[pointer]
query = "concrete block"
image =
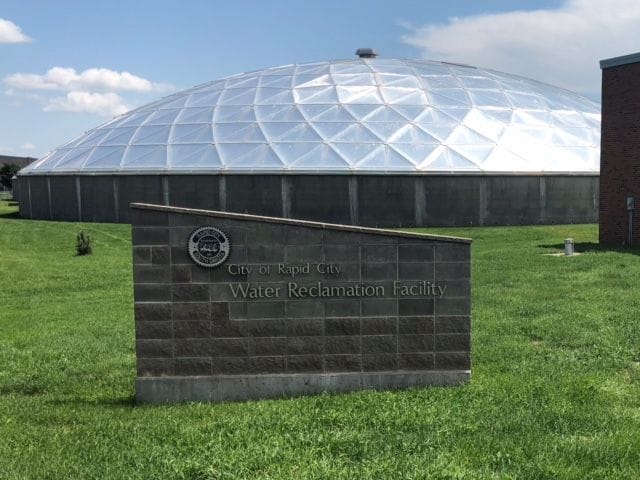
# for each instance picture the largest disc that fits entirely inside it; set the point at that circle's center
(415, 253)
(413, 307)
(342, 344)
(379, 307)
(380, 362)
(447, 342)
(415, 343)
(305, 345)
(444, 324)
(193, 311)
(192, 329)
(342, 326)
(304, 363)
(453, 361)
(152, 311)
(379, 344)
(154, 348)
(153, 330)
(379, 326)
(190, 292)
(342, 363)
(149, 292)
(193, 366)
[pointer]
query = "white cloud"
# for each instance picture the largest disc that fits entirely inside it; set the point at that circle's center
(106, 104)
(102, 79)
(28, 146)
(561, 46)
(11, 33)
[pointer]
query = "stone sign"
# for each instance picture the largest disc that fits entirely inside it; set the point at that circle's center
(231, 307)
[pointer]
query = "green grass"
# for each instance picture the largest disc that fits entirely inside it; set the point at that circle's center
(555, 390)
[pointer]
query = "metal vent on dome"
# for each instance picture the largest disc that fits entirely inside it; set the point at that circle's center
(366, 53)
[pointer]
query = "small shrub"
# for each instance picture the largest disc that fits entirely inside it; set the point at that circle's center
(84, 244)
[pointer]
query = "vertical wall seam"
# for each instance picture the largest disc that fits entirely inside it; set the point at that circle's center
(542, 200)
(49, 196)
(29, 191)
(165, 190)
(420, 202)
(483, 201)
(79, 198)
(286, 196)
(353, 199)
(116, 203)
(222, 192)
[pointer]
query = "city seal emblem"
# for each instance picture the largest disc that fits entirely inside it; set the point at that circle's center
(208, 246)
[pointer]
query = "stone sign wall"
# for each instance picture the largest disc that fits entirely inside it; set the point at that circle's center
(232, 307)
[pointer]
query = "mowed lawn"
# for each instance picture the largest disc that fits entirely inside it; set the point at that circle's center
(555, 390)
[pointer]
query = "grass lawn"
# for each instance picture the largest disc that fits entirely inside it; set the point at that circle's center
(555, 390)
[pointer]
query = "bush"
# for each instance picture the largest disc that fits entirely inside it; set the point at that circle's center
(83, 244)
(7, 171)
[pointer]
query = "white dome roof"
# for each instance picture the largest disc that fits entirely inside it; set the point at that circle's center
(354, 116)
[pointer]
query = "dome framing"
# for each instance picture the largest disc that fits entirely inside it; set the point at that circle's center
(369, 116)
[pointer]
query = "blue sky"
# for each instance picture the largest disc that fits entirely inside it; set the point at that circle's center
(67, 66)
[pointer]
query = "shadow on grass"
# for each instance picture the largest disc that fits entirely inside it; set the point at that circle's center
(124, 401)
(11, 215)
(594, 247)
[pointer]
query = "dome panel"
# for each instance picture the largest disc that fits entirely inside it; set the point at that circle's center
(145, 157)
(105, 159)
(194, 157)
(118, 136)
(192, 134)
(363, 115)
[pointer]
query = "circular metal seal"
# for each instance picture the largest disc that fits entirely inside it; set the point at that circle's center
(208, 246)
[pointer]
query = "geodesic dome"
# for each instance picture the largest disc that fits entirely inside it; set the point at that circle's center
(355, 116)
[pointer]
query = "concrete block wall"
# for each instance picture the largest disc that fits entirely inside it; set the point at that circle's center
(198, 340)
(366, 200)
(620, 152)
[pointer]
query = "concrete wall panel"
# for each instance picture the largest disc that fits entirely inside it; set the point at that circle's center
(23, 196)
(98, 200)
(451, 201)
(258, 195)
(368, 200)
(64, 198)
(320, 198)
(571, 200)
(511, 201)
(39, 198)
(194, 191)
(137, 188)
(386, 200)
(15, 189)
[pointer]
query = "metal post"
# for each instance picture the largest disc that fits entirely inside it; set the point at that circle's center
(568, 247)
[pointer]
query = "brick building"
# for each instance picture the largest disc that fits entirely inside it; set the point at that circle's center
(620, 150)
(20, 161)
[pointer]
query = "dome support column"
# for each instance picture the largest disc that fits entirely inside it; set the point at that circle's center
(483, 203)
(165, 190)
(420, 202)
(222, 193)
(286, 197)
(78, 199)
(49, 195)
(353, 199)
(116, 205)
(543, 200)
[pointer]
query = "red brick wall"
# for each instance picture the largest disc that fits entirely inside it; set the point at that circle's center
(620, 152)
